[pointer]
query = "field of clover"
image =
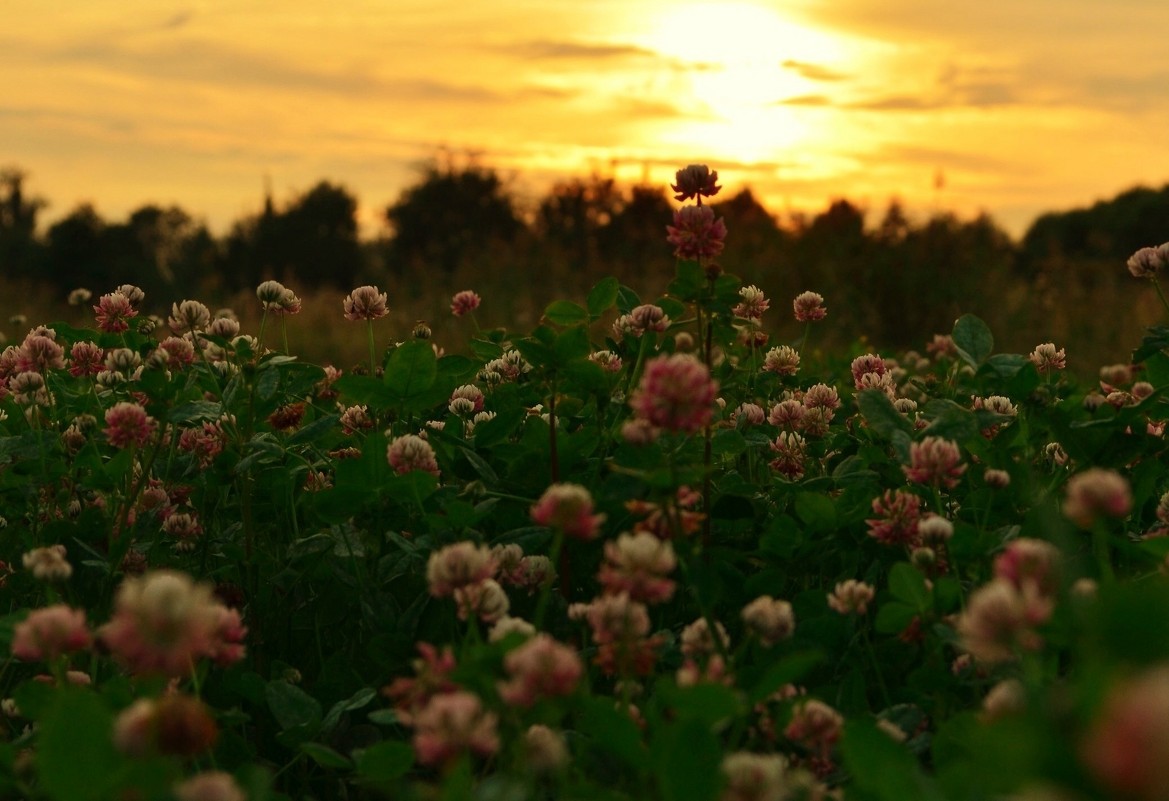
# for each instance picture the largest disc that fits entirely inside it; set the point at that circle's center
(651, 549)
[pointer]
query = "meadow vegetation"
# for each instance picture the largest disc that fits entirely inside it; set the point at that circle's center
(683, 537)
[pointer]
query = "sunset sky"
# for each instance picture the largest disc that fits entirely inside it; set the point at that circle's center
(1020, 105)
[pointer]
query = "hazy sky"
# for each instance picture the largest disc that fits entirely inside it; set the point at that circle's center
(1020, 105)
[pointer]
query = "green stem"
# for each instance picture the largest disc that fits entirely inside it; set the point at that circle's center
(546, 591)
(1160, 294)
(876, 665)
(372, 349)
(1102, 551)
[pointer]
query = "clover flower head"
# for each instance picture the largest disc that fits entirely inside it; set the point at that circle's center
(695, 181)
(809, 307)
(676, 393)
(1047, 359)
(411, 452)
(851, 597)
(753, 303)
(50, 632)
(128, 424)
(568, 507)
(1148, 262)
(1096, 493)
(365, 303)
(782, 360)
(113, 311)
(540, 668)
(696, 234)
(464, 302)
(771, 620)
(188, 316)
(935, 461)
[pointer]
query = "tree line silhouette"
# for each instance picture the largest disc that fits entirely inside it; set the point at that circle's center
(898, 280)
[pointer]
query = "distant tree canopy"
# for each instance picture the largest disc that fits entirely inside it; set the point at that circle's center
(1109, 230)
(450, 218)
(313, 241)
(895, 279)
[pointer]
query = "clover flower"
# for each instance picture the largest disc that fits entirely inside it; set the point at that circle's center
(851, 597)
(210, 785)
(452, 724)
(676, 393)
(620, 630)
(174, 724)
(163, 622)
(189, 316)
(50, 632)
(1096, 493)
(431, 677)
(1125, 747)
(464, 302)
(751, 414)
(485, 599)
(113, 311)
(609, 361)
(1000, 618)
(458, 565)
(365, 303)
(1027, 560)
(815, 725)
(638, 564)
(540, 668)
(411, 452)
(568, 507)
(640, 319)
(696, 234)
(897, 518)
(40, 354)
(809, 307)
(753, 777)
(753, 303)
(183, 527)
(544, 748)
(698, 640)
(1047, 359)
(782, 360)
(48, 563)
(1147, 262)
(934, 461)
(128, 424)
(769, 619)
(695, 181)
(790, 451)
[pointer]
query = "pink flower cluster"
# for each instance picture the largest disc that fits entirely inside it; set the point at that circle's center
(897, 514)
(935, 461)
(411, 452)
(540, 668)
(464, 302)
(1094, 494)
(365, 303)
(676, 393)
(164, 622)
(569, 508)
(637, 564)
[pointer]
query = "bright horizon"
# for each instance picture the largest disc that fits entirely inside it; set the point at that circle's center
(1018, 108)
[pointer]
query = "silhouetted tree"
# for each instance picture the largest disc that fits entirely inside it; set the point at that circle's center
(77, 252)
(312, 242)
(634, 241)
(18, 223)
(573, 214)
(451, 217)
(163, 250)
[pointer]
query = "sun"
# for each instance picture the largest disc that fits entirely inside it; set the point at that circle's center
(738, 61)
